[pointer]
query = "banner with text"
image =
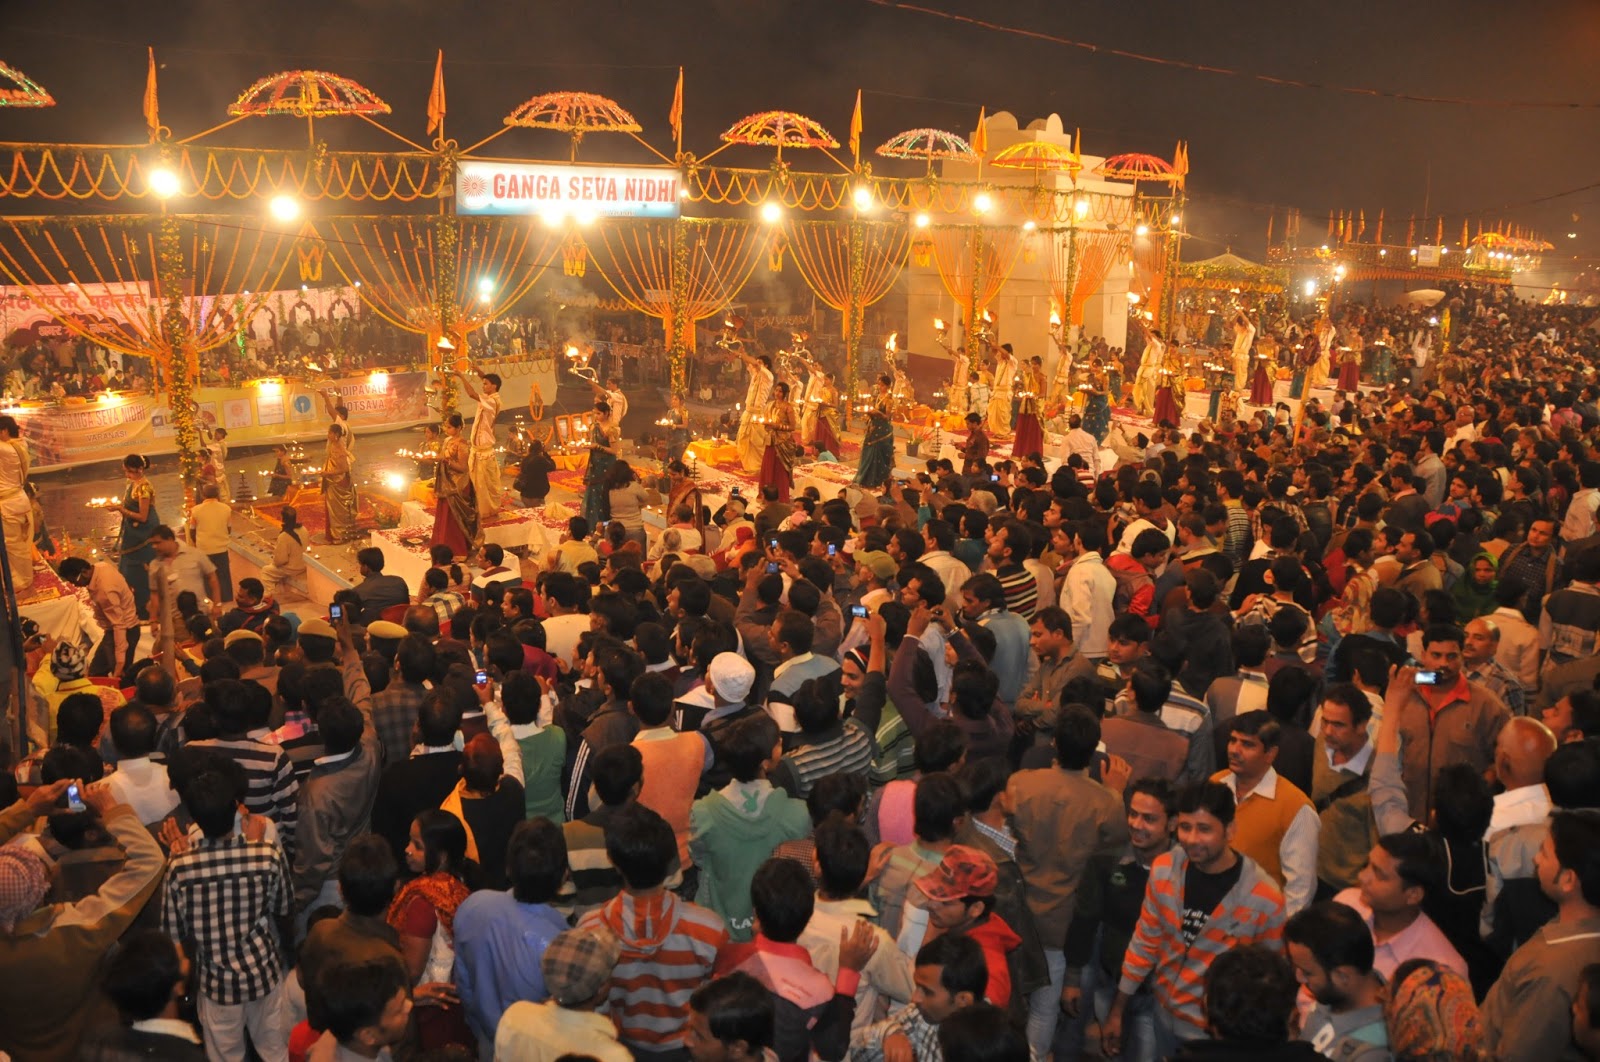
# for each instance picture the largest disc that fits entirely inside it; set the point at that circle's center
(81, 431)
(579, 192)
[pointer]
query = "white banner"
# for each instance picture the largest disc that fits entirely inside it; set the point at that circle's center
(580, 192)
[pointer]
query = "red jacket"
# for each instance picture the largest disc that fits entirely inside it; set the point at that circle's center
(1136, 591)
(997, 941)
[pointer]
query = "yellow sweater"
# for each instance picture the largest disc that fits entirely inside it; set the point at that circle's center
(1260, 823)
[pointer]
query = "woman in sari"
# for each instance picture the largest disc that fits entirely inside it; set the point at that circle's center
(1261, 382)
(1097, 407)
(777, 463)
(340, 505)
(602, 455)
(423, 914)
(826, 401)
(455, 520)
(678, 434)
(139, 519)
(1350, 369)
(877, 445)
(1030, 433)
(1005, 373)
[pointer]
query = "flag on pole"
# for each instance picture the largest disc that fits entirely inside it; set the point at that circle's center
(436, 97)
(980, 136)
(1379, 237)
(675, 118)
(855, 129)
(152, 110)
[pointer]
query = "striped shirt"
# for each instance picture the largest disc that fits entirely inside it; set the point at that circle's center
(1021, 590)
(272, 787)
(224, 895)
(669, 949)
(1251, 912)
(846, 747)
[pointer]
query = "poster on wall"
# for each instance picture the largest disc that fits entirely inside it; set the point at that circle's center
(269, 409)
(83, 431)
(236, 413)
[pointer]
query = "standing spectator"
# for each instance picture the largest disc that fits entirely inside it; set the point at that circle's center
(228, 899)
(336, 801)
(114, 610)
(732, 1019)
(612, 724)
(395, 708)
(1527, 1013)
(1275, 823)
(951, 976)
(1204, 898)
(1569, 625)
(541, 750)
(1331, 950)
(209, 531)
(669, 946)
(500, 937)
(733, 830)
(49, 953)
(1250, 996)
(1088, 590)
(272, 790)
(146, 977)
(1105, 912)
(1062, 819)
(1480, 664)
(139, 781)
(427, 776)
(1451, 721)
(618, 781)
(983, 603)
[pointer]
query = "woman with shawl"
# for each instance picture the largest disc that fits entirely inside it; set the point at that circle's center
(423, 913)
(455, 520)
(1474, 592)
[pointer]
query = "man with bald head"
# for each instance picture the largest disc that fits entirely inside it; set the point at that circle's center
(1478, 663)
(1520, 822)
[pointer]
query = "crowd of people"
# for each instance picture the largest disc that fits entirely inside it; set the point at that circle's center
(1273, 741)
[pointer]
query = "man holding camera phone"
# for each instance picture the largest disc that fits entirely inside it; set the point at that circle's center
(1444, 719)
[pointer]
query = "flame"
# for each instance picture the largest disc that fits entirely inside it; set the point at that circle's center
(892, 345)
(1055, 317)
(572, 351)
(988, 318)
(938, 324)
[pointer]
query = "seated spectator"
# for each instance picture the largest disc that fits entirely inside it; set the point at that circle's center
(577, 970)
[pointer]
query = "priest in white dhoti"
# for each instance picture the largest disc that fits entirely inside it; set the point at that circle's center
(483, 458)
(752, 438)
(1244, 337)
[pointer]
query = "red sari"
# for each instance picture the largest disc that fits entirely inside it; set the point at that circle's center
(424, 907)
(1349, 374)
(1261, 385)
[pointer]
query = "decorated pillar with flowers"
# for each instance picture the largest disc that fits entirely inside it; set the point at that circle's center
(176, 350)
(855, 311)
(679, 322)
(446, 311)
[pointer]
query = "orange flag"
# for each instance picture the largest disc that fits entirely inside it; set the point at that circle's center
(855, 129)
(152, 112)
(1379, 237)
(436, 97)
(980, 136)
(675, 116)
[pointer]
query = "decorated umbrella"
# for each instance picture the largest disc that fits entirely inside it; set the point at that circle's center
(574, 113)
(308, 94)
(19, 90)
(1039, 156)
(779, 129)
(928, 144)
(1136, 167)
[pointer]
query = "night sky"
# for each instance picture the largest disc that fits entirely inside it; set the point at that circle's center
(1252, 145)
